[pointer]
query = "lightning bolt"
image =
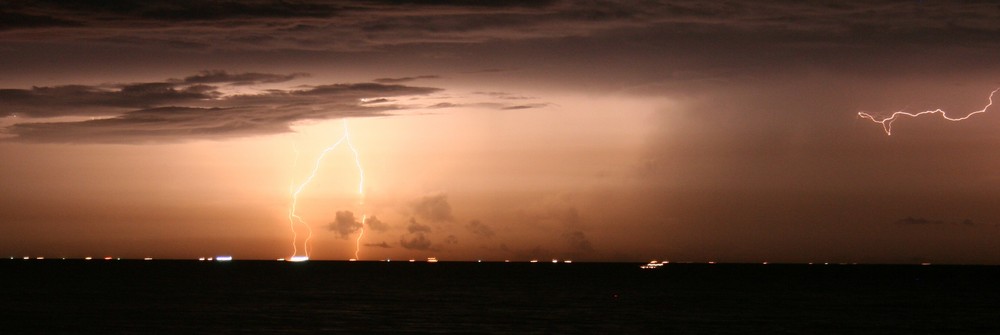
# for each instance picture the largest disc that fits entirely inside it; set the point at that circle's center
(887, 122)
(357, 242)
(293, 217)
(361, 190)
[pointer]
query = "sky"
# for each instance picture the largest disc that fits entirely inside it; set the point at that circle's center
(500, 130)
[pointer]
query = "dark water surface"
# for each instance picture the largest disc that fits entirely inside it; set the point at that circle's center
(182, 297)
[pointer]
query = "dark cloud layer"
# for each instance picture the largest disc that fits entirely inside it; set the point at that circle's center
(922, 222)
(176, 110)
(251, 78)
(96, 100)
(357, 25)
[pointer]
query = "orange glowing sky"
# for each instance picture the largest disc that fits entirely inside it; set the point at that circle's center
(589, 131)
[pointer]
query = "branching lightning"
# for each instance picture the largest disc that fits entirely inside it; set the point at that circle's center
(887, 122)
(293, 216)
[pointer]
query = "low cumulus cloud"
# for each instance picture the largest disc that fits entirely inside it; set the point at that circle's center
(418, 241)
(383, 245)
(416, 238)
(433, 208)
(185, 109)
(377, 225)
(560, 214)
(557, 213)
(479, 229)
(578, 242)
(345, 224)
(416, 227)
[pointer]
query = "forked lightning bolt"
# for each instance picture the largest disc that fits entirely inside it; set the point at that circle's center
(293, 217)
(887, 122)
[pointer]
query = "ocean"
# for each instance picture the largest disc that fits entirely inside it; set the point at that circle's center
(184, 297)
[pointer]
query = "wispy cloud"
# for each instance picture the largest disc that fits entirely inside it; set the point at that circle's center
(404, 79)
